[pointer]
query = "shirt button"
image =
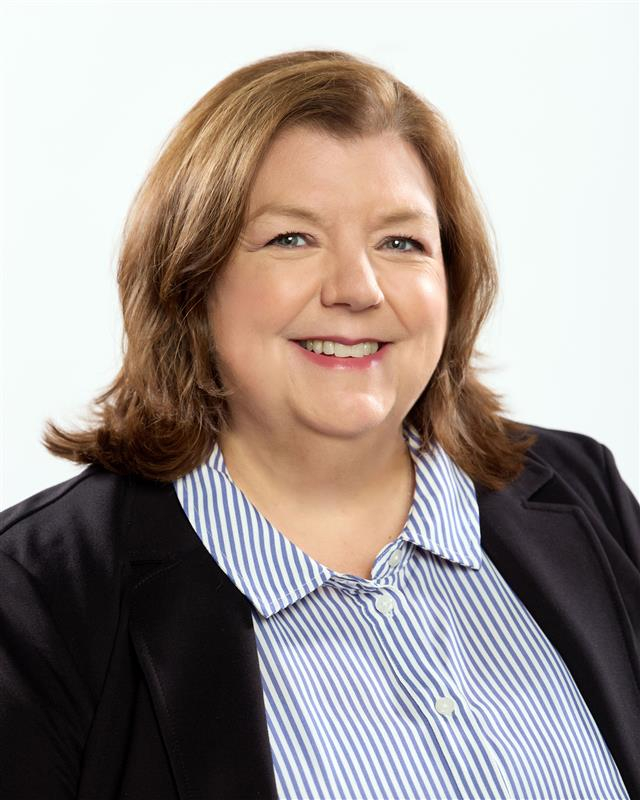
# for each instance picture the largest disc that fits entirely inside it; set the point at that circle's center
(395, 558)
(445, 706)
(385, 605)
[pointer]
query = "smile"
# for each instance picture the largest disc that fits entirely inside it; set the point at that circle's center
(339, 349)
(354, 358)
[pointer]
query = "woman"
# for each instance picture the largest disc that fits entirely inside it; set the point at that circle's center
(310, 556)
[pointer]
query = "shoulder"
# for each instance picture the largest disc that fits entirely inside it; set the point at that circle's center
(61, 556)
(578, 458)
(581, 462)
(568, 451)
(588, 475)
(80, 508)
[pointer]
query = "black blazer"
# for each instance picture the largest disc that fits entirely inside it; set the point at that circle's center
(128, 663)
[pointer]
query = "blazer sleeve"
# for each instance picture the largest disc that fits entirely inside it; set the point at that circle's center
(625, 509)
(45, 706)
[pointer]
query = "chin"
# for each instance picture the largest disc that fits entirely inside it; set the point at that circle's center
(347, 424)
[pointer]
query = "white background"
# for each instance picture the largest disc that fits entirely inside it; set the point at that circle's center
(543, 98)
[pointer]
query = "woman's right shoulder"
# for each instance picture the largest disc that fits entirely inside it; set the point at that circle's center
(60, 495)
(89, 501)
(67, 540)
(63, 567)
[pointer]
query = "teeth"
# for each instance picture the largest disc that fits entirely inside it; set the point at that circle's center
(328, 348)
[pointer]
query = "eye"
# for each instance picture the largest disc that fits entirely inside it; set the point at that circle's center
(395, 239)
(288, 235)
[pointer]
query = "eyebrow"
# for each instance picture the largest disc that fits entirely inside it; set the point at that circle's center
(405, 214)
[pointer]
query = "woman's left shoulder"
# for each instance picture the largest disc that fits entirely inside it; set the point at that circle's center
(576, 456)
(589, 468)
(570, 450)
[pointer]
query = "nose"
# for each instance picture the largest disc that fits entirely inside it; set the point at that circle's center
(350, 279)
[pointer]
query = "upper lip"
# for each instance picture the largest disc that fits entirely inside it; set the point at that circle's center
(341, 339)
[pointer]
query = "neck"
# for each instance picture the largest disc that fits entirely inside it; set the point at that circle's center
(311, 470)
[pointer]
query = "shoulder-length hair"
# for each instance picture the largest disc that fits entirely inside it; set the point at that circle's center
(161, 415)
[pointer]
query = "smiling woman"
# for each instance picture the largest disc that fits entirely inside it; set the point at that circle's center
(231, 183)
(339, 288)
(310, 555)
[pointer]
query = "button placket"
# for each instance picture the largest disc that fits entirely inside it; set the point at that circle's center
(385, 604)
(425, 697)
(508, 792)
(395, 557)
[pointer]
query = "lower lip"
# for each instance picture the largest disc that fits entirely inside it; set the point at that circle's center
(333, 362)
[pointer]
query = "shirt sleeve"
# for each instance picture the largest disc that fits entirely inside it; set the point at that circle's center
(45, 705)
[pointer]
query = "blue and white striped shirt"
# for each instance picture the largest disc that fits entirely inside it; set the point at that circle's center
(430, 680)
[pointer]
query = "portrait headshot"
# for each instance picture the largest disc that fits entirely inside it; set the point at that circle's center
(321, 404)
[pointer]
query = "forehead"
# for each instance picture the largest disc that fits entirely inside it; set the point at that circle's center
(310, 168)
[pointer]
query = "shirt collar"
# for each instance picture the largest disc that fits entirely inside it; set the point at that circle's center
(273, 572)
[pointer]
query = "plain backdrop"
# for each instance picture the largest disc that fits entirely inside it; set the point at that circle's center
(542, 97)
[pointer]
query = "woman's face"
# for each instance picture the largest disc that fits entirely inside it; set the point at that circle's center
(342, 272)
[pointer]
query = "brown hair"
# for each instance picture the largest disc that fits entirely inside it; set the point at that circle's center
(161, 415)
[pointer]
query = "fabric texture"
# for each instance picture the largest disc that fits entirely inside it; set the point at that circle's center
(130, 664)
(429, 680)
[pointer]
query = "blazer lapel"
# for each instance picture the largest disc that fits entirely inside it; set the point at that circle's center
(193, 633)
(562, 563)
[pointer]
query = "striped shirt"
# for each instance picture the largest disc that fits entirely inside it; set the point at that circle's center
(430, 680)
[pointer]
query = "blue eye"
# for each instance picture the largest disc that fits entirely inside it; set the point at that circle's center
(293, 234)
(287, 235)
(403, 239)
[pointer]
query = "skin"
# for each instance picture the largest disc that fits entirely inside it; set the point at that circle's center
(320, 451)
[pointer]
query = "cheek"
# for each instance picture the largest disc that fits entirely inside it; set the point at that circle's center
(235, 310)
(251, 311)
(437, 306)
(258, 300)
(426, 306)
